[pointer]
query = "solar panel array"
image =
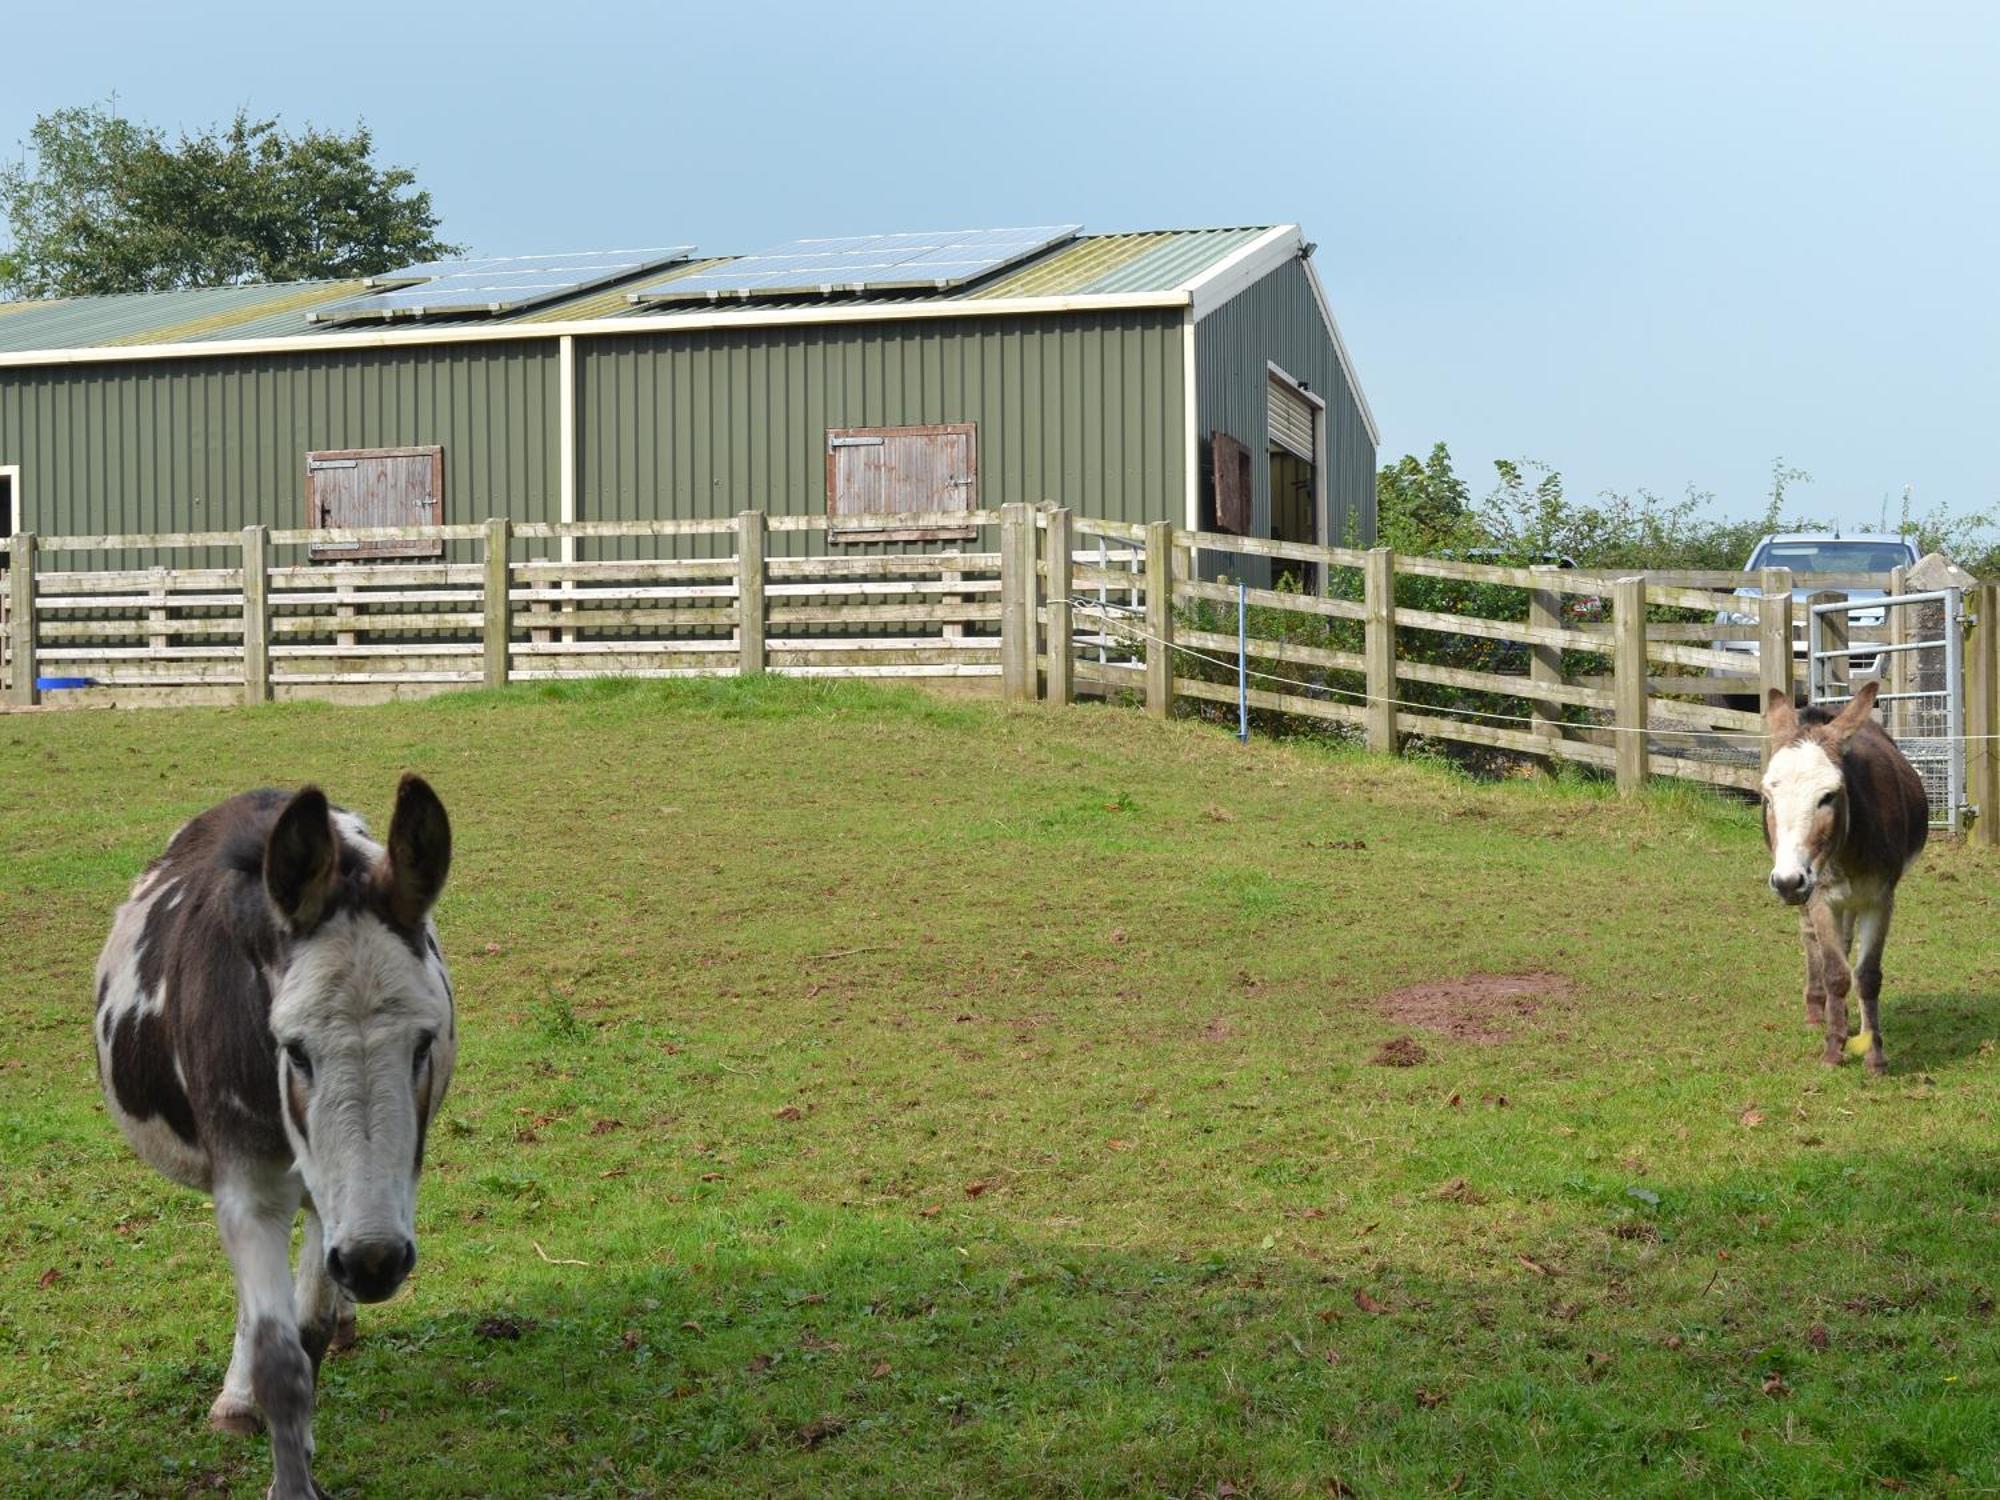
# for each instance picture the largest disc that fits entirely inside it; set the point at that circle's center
(933, 261)
(493, 284)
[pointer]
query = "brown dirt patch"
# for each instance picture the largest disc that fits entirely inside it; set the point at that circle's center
(1474, 1007)
(1399, 1052)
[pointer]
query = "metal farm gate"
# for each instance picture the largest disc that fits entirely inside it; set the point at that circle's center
(1920, 663)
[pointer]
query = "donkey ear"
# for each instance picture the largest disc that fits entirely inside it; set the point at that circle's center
(1852, 717)
(1779, 715)
(419, 855)
(301, 859)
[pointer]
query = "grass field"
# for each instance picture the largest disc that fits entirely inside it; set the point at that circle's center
(946, 1100)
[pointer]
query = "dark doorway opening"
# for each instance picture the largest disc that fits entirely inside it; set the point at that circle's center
(1294, 513)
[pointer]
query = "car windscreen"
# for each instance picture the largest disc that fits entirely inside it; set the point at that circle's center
(1832, 557)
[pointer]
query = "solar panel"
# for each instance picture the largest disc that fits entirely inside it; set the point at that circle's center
(492, 284)
(924, 261)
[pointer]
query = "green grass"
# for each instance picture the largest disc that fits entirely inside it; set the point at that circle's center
(949, 1100)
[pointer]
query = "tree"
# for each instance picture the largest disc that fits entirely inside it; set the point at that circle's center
(1421, 505)
(102, 204)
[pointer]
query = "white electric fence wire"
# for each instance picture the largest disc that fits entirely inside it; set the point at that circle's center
(1137, 634)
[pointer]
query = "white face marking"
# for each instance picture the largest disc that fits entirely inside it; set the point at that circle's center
(1796, 783)
(358, 1004)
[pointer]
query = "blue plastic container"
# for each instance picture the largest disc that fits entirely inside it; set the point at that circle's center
(52, 684)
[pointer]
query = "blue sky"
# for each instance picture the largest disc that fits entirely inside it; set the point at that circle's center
(1650, 245)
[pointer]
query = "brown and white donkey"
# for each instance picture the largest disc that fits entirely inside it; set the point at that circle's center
(1844, 814)
(275, 1028)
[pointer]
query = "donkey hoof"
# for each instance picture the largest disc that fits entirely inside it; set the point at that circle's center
(233, 1414)
(1834, 1055)
(1876, 1064)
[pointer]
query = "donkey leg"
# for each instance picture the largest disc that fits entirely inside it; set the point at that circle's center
(1815, 971)
(235, 1409)
(316, 1298)
(255, 1213)
(1834, 973)
(1872, 935)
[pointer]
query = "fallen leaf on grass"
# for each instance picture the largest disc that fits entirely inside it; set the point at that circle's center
(48, 1278)
(1458, 1190)
(1774, 1385)
(711, 1177)
(1219, 815)
(1534, 1265)
(932, 1212)
(1368, 1304)
(974, 1189)
(1750, 1119)
(1817, 1336)
(1427, 1398)
(629, 1339)
(605, 1127)
(758, 1364)
(1114, 1144)
(789, 1112)
(881, 1370)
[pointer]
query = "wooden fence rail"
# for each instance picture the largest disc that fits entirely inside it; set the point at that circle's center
(1596, 669)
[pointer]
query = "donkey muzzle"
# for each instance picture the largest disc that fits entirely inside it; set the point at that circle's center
(1793, 887)
(370, 1270)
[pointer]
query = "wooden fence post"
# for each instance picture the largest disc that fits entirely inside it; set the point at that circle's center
(1378, 579)
(1982, 691)
(21, 612)
(499, 617)
(1017, 661)
(1834, 672)
(1545, 663)
(751, 528)
(1628, 633)
(1160, 618)
(1774, 643)
(1058, 547)
(256, 615)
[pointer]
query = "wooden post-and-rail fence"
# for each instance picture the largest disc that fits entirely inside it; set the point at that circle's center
(1052, 604)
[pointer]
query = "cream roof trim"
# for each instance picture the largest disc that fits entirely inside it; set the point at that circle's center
(480, 333)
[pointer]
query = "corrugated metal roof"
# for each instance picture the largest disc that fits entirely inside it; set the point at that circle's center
(1154, 261)
(1157, 261)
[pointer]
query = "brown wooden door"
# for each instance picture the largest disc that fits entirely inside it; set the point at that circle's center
(358, 487)
(895, 471)
(1230, 461)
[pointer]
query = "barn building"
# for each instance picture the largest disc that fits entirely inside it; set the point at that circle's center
(1191, 375)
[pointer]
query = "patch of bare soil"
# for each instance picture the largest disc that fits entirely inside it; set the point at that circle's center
(1475, 1007)
(1400, 1052)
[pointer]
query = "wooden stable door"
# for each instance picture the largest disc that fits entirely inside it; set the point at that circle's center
(357, 487)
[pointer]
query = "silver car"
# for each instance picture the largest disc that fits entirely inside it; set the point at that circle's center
(1807, 553)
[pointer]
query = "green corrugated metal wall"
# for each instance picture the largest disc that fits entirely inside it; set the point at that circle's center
(1083, 410)
(1276, 320)
(215, 444)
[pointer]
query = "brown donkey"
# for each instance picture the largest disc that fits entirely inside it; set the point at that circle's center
(1844, 814)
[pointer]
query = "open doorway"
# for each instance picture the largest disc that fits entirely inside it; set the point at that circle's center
(10, 487)
(1296, 428)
